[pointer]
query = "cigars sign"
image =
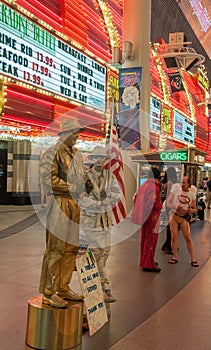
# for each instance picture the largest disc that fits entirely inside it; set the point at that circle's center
(34, 56)
(176, 156)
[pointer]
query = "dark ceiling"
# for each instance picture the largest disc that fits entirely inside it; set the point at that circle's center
(167, 17)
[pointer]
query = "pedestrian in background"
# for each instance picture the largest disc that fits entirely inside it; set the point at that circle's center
(146, 212)
(169, 179)
(182, 202)
(204, 183)
(208, 194)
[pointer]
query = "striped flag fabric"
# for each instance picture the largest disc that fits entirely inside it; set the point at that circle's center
(116, 167)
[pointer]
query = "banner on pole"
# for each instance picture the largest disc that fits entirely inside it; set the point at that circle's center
(89, 279)
(129, 93)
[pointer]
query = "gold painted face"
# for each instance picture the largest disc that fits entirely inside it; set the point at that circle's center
(71, 139)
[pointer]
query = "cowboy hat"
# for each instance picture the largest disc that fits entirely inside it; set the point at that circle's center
(98, 151)
(70, 125)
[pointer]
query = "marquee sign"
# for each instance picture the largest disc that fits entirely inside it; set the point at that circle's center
(30, 54)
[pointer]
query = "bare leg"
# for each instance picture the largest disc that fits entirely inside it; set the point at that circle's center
(174, 237)
(185, 227)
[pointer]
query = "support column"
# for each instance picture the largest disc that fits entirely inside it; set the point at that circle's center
(136, 29)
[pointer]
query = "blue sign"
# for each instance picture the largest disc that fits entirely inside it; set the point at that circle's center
(183, 129)
(155, 110)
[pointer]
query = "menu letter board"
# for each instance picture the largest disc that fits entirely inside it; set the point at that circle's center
(32, 55)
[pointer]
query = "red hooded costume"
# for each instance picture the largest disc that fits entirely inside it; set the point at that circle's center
(146, 212)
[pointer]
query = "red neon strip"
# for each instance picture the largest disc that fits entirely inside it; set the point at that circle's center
(97, 31)
(47, 10)
(8, 117)
(55, 24)
(98, 54)
(93, 135)
(74, 11)
(75, 14)
(75, 3)
(98, 48)
(104, 46)
(33, 93)
(91, 13)
(76, 28)
(116, 18)
(95, 25)
(29, 97)
(72, 20)
(73, 36)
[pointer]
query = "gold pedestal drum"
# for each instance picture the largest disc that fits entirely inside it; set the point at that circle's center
(51, 328)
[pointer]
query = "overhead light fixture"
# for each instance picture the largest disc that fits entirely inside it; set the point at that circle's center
(186, 58)
(127, 51)
(177, 55)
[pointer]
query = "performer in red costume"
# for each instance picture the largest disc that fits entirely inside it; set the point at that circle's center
(146, 212)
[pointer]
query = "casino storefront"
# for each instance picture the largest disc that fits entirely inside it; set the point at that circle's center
(178, 121)
(186, 161)
(55, 58)
(54, 62)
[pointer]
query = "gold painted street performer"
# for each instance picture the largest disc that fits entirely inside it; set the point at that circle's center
(62, 177)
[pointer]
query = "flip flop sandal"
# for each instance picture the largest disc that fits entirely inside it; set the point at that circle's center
(173, 261)
(194, 263)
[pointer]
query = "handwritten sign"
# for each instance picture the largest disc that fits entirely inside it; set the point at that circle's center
(92, 290)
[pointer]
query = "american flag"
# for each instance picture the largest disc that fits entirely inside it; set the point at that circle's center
(116, 167)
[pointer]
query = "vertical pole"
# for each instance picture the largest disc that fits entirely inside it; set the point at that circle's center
(136, 29)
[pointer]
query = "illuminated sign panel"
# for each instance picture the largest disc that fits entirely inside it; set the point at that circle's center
(202, 79)
(32, 55)
(167, 119)
(113, 86)
(177, 156)
(183, 128)
(155, 107)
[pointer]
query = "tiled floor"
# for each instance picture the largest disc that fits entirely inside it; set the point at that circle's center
(170, 310)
